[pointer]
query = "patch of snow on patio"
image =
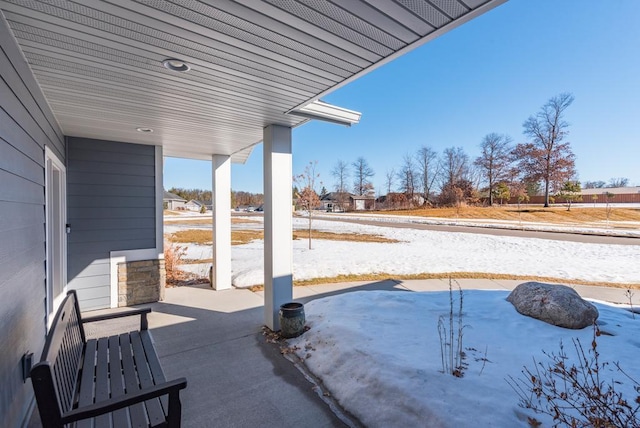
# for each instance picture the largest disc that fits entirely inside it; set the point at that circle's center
(378, 353)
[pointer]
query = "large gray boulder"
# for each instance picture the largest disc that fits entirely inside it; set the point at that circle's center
(555, 304)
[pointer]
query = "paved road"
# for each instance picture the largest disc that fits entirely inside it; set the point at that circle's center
(557, 236)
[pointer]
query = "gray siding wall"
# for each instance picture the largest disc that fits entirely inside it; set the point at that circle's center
(111, 207)
(26, 126)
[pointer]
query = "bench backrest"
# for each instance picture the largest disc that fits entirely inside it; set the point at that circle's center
(54, 378)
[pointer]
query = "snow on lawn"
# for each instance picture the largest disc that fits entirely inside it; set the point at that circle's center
(378, 353)
(615, 228)
(424, 251)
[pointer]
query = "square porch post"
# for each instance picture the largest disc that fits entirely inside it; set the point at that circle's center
(278, 241)
(221, 212)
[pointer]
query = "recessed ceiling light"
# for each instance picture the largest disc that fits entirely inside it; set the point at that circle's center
(144, 130)
(176, 65)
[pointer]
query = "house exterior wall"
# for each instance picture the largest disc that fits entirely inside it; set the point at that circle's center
(26, 127)
(111, 207)
(175, 205)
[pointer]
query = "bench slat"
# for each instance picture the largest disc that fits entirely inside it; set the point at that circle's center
(154, 409)
(120, 417)
(78, 378)
(154, 364)
(102, 380)
(87, 392)
(137, 413)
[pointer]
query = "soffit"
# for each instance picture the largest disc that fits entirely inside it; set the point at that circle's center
(99, 63)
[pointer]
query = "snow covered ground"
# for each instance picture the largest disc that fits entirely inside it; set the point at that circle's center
(617, 228)
(423, 251)
(378, 353)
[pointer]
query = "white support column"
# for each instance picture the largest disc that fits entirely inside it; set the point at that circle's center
(221, 199)
(278, 241)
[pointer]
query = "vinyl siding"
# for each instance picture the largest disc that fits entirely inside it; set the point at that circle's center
(111, 207)
(26, 126)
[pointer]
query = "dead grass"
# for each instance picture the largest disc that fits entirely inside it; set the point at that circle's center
(352, 237)
(447, 275)
(557, 214)
(239, 237)
(192, 236)
(234, 220)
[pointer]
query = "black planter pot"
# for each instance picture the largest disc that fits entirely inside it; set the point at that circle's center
(291, 319)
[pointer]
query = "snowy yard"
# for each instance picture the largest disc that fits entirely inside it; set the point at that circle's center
(422, 251)
(378, 353)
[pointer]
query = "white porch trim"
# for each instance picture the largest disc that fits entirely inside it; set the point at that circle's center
(278, 241)
(221, 212)
(320, 110)
(159, 173)
(55, 190)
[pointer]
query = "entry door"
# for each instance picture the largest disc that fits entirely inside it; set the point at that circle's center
(56, 213)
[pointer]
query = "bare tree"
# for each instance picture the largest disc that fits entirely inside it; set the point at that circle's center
(454, 164)
(618, 182)
(546, 157)
(407, 176)
(594, 184)
(428, 168)
(494, 160)
(390, 179)
(340, 173)
(363, 173)
(307, 197)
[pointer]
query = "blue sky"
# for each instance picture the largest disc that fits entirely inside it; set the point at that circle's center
(487, 75)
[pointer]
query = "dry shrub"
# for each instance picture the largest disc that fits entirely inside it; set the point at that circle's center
(576, 395)
(173, 258)
(451, 350)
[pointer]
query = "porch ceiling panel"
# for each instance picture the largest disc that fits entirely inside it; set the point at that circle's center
(99, 63)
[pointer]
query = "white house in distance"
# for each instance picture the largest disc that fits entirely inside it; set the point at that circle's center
(173, 202)
(337, 202)
(93, 95)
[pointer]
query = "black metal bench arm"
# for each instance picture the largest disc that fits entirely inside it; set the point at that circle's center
(171, 388)
(144, 325)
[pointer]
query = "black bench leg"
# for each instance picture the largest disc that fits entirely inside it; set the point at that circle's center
(175, 410)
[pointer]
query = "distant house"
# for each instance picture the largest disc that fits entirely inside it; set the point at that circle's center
(194, 205)
(620, 195)
(172, 201)
(363, 202)
(335, 202)
(338, 202)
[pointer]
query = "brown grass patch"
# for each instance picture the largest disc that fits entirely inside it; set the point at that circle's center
(234, 220)
(239, 237)
(331, 236)
(557, 214)
(447, 275)
(192, 236)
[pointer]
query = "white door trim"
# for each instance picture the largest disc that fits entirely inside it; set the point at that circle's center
(56, 231)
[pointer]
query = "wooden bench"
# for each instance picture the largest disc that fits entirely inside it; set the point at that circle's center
(112, 381)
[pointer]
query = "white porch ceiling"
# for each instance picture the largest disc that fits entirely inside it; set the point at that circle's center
(99, 63)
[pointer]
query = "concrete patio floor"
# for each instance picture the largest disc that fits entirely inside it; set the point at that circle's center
(236, 378)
